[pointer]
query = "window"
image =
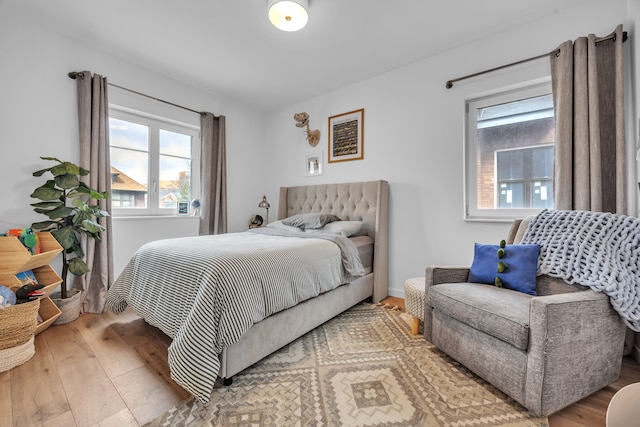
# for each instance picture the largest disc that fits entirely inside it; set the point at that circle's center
(154, 163)
(509, 154)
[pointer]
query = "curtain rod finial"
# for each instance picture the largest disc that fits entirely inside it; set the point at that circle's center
(74, 74)
(449, 84)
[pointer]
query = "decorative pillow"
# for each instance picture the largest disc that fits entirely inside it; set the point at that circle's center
(345, 228)
(281, 226)
(310, 220)
(510, 266)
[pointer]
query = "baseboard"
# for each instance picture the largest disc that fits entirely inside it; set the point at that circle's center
(395, 292)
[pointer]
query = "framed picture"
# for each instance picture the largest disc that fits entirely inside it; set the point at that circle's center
(313, 164)
(346, 136)
(183, 208)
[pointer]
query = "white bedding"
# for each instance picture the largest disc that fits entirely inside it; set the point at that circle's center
(206, 291)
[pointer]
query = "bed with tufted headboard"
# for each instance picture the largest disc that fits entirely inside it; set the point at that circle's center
(227, 301)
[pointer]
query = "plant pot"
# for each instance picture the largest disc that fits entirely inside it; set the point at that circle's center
(70, 306)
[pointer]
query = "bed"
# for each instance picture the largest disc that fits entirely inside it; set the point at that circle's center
(223, 320)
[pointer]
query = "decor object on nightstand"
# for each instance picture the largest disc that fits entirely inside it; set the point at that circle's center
(266, 205)
(302, 120)
(73, 213)
(414, 301)
(255, 221)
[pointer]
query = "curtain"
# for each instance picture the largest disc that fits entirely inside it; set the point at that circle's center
(93, 117)
(587, 80)
(587, 83)
(213, 174)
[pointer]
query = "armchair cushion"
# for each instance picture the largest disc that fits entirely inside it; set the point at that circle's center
(498, 312)
(521, 266)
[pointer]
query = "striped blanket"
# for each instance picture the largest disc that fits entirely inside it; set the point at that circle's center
(204, 292)
(595, 249)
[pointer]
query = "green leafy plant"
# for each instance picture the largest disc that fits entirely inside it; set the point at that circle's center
(73, 212)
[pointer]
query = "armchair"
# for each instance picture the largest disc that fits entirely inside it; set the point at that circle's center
(546, 351)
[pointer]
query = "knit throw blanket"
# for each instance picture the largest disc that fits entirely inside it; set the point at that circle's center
(596, 249)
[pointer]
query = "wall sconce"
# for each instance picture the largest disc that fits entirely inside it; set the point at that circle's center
(264, 204)
(288, 15)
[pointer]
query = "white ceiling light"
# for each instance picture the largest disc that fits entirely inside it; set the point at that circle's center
(288, 15)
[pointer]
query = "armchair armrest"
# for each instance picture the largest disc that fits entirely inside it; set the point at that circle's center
(437, 275)
(563, 328)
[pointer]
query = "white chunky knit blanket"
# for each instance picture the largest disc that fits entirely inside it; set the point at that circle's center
(596, 249)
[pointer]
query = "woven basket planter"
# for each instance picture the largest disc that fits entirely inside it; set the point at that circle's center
(70, 307)
(17, 327)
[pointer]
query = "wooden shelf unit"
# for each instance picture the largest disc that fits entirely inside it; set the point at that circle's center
(15, 258)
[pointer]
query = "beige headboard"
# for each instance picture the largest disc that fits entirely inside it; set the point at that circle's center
(353, 201)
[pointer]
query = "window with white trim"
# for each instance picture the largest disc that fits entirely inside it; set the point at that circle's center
(154, 163)
(509, 154)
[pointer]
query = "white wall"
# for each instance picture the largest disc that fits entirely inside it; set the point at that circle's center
(38, 117)
(414, 135)
(413, 129)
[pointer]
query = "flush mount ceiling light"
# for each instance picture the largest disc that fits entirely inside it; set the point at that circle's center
(288, 15)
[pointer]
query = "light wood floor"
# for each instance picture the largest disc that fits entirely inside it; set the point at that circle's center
(106, 370)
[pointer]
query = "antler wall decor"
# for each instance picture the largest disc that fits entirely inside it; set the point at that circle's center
(302, 120)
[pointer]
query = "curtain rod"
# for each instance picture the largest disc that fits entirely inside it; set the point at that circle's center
(449, 84)
(74, 74)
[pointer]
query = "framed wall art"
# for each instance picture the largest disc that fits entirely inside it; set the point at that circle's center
(346, 136)
(183, 208)
(313, 164)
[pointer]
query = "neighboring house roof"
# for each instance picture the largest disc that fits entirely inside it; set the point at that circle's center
(171, 197)
(123, 182)
(170, 184)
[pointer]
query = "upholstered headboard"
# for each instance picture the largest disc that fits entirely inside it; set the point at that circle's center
(353, 201)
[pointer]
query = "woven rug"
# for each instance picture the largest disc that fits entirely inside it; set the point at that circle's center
(363, 368)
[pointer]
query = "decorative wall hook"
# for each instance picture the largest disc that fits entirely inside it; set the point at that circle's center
(302, 120)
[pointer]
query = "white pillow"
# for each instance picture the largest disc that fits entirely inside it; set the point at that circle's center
(281, 226)
(345, 228)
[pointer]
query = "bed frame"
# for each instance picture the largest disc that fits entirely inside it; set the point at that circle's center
(360, 201)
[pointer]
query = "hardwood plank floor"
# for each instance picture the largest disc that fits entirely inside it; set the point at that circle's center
(106, 370)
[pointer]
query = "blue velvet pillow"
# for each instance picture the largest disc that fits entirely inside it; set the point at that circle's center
(520, 261)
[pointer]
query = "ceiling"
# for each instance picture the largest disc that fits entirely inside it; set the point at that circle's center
(229, 48)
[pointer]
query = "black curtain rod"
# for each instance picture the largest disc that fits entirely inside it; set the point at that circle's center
(449, 84)
(74, 74)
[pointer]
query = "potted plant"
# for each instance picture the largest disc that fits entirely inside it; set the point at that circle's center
(73, 212)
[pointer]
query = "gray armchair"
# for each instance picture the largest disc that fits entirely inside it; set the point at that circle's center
(546, 352)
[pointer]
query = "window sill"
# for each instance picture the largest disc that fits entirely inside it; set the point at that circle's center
(155, 217)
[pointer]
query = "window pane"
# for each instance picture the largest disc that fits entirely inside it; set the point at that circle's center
(175, 181)
(125, 134)
(511, 195)
(543, 162)
(175, 144)
(514, 148)
(129, 177)
(510, 164)
(542, 195)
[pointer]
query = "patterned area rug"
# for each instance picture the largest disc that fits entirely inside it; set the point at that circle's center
(363, 368)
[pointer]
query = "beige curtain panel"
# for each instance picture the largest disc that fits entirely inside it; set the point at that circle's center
(588, 85)
(213, 172)
(93, 118)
